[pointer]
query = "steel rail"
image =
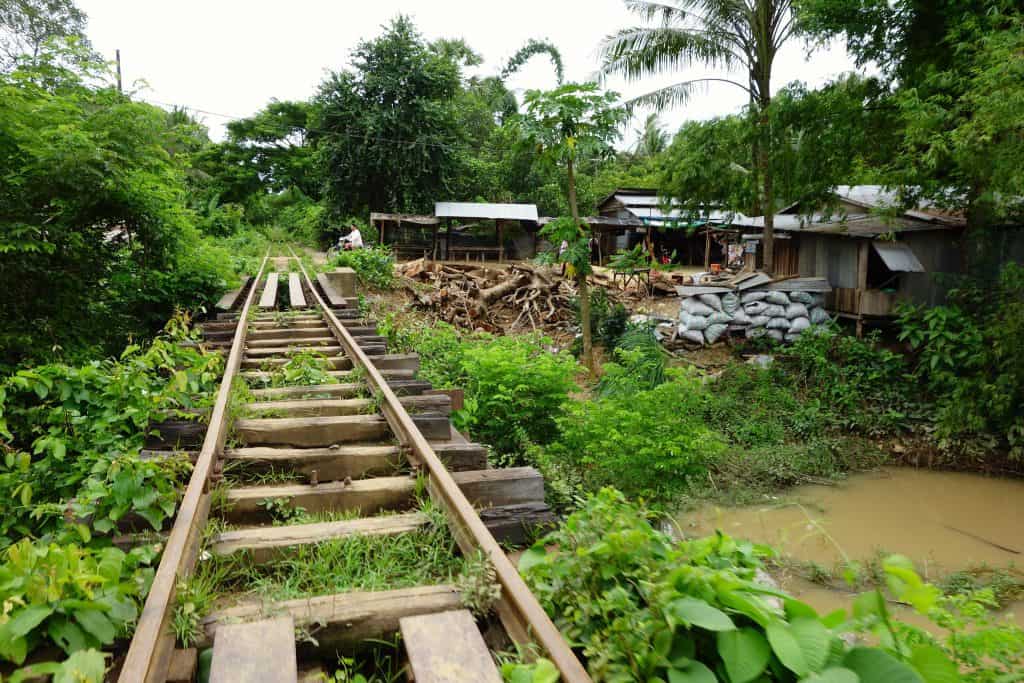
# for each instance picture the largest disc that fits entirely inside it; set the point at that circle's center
(151, 647)
(523, 617)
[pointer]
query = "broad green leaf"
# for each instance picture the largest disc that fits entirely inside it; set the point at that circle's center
(97, 624)
(693, 672)
(67, 635)
(532, 557)
(933, 664)
(745, 653)
(786, 648)
(832, 675)
(814, 640)
(696, 612)
(87, 666)
(544, 671)
(26, 619)
(873, 665)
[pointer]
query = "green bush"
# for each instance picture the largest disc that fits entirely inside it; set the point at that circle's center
(375, 266)
(650, 444)
(515, 391)
(642, 607)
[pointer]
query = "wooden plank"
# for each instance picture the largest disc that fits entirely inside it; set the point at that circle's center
(268, 299)
(339, 375)
(518, 524)
(690, 290)
(344, 620)
(340, 390)
(446, 647)
(333, 297)
(231, 299)
(295, 296)
(265, 544)
(439, 404)
(325, 340)
(255, 652)
(325, 464)
(483, 488)
(183, 666)
(311, 431)
(332, 362)
(458, 457)
(289, 350)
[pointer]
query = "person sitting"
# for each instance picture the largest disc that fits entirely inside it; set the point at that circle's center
(353, 240)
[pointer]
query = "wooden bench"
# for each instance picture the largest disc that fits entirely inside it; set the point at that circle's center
(446, 647)
(483, 253)
(295, 296)
(268, 299)
(256, 652)
(334, 300)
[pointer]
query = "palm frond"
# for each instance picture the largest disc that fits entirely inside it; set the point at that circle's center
(676, 94)
(639, 52)
(648, 10)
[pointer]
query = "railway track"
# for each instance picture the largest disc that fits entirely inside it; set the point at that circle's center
(370, 454)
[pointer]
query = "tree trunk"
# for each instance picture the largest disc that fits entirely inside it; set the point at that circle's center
(581, 277)
(768, 205)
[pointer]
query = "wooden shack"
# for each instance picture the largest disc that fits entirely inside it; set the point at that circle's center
(872, 254)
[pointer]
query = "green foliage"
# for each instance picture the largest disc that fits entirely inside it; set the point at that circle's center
(609, 319)
(507, 407)
(72, 438)
(970, 360)
(386, 130)
(69, 596)
(639, 364)
(305, 368)
(643, 607)
(375, 266)
(539, 671)
(650, 444)
(636, 258)
(532, 48)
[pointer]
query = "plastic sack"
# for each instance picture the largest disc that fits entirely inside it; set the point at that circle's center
(739, 317)
(694, 322)
(819, 316)
(778, 324)
(755, 332)
(777, 335)
(797, 325)
(759, 320)
(694, 336)
(711, 300)
(774, 311)
(776, 297)
(719, 318)
(755, 308)
(695, 306)
(805, 298)
(751, 297)
(796, 311)
(713, 332)
(730, 303)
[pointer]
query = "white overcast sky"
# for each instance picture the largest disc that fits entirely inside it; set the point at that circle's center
(228, 58)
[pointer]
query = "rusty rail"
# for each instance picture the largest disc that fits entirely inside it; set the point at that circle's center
(151, 647)
(520, 613)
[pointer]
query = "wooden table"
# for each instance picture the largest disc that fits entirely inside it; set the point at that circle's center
(637, 275)
(483, 252)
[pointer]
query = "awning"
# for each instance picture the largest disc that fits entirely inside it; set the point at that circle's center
(898, 257)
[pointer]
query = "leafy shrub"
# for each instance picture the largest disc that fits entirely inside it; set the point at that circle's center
(608, 319)
(649, 444)
(640, 363)
(642, 607)
(72, 597)
(515, 390)
(375, 266)
(971, 360)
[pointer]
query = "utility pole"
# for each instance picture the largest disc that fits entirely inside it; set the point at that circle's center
(117, 54)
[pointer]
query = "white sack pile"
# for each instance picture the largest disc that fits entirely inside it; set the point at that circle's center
(783, 316)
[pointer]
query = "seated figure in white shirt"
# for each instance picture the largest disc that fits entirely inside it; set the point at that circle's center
(353, 240)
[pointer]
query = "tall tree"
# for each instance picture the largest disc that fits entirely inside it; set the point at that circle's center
(386, 131)
(651, 140)
(532, 48)
(25, 25)
(564, 124)
(724, 34)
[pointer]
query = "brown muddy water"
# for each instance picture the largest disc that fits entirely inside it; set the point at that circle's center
(944, 521)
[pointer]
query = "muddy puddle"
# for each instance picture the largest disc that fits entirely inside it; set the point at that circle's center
(945, 522)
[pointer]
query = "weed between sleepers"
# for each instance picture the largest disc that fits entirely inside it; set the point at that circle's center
(360, 563)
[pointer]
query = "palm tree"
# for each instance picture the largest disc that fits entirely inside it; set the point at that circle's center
(721, 34)
(651, 140)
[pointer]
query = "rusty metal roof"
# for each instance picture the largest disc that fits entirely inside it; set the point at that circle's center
(898, 256)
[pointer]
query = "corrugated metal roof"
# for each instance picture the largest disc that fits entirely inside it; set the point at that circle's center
(898, 257)
(631, 200)
(512, 212)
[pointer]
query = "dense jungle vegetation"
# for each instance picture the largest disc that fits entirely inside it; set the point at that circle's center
(116, 215)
